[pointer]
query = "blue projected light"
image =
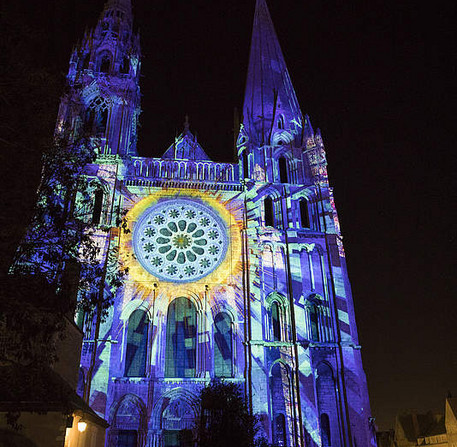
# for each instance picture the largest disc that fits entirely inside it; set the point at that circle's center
(180, 240)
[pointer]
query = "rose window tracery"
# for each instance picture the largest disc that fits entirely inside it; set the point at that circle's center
(180, 240)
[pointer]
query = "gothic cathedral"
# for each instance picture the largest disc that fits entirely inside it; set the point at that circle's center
(236, 271)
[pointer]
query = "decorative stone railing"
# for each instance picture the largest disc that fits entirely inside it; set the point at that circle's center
(207, 171)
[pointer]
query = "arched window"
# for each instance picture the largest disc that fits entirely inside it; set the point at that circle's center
(90, 119)
(313, 322)
(281, 122)
(180, 356)
(283, 177)
(280, 403)
(268, 212)
(98, 206)
(318, 323)
(85, 64)
(105, 63)
(244, 160)
(223, 349)
(325, 430)
(275, 321)
(304, 213)
(96, 118)
(125, 67)
(137, 342)
(103, 118)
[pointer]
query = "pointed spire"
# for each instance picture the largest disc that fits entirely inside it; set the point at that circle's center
(269, 92)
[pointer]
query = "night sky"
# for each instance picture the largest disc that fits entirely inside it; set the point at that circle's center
(377, 78)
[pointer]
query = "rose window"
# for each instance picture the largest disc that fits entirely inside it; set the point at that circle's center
(180, 240)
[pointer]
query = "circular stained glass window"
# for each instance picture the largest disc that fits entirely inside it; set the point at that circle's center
(180, 240)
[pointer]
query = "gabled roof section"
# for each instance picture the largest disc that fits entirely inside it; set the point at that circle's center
(269, 91)
(186, 147)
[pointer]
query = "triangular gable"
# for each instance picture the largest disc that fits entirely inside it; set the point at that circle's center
(185, 147)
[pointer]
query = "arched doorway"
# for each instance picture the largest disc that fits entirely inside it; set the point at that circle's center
(178, 419)
(128, 426)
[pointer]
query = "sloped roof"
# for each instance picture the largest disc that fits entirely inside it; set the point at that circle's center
(186, 147)
(40, 390)
(414, 425)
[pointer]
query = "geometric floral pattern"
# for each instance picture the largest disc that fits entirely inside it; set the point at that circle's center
(180, 240)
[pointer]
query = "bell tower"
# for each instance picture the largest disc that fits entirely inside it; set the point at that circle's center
(103, 96)
(304, 366)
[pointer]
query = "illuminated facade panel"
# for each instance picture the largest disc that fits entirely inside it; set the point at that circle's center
(234, 271)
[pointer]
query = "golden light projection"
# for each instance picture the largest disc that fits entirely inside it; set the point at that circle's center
(186, 241)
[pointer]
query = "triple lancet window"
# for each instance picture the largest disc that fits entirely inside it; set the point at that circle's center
(181, 342)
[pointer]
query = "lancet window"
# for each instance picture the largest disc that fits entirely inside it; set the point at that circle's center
(105, 62)
(98, 207)
(85, 62)
(275, 318)
(304, 213)
(283, 174)
(125, 67)
(245, 162)
(181, 342)
(269, 217)
(281, 122)
(317, 320)
(137, 341)
(223, 345)
(97, 117)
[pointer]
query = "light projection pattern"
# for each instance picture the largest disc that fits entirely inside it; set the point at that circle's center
(222, 209)
(180, 240)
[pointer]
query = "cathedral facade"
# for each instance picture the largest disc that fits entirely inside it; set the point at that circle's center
(235, 271)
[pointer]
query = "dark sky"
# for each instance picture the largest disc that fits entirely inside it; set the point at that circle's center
(377, 77)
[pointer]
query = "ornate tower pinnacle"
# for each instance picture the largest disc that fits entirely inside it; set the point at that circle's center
(270, 101)
(103, 79)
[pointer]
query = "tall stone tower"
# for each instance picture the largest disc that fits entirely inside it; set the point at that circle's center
(103, 83)
(236, 271)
